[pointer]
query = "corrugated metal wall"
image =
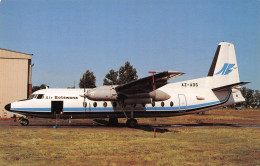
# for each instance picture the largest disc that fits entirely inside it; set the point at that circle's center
(14, 78)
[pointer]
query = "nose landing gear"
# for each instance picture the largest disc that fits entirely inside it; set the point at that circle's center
(23, 121)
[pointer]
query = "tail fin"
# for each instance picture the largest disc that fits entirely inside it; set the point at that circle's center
(224, 69)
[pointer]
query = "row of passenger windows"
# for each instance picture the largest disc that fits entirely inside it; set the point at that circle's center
(115, 104)
(41, 96)
(104, 104)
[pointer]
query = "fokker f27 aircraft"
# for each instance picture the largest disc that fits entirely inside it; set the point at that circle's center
(151, 96)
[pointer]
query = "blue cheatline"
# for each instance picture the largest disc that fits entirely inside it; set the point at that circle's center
(81, 109)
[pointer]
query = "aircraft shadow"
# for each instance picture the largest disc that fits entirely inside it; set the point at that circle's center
(160, 128)
(149, 128)
(163, 128)
(201, 125)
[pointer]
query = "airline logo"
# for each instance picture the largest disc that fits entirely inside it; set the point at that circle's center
(226, 69)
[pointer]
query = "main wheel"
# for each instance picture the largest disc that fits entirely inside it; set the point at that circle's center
(24, 122)
(113, 122)
(131, 123)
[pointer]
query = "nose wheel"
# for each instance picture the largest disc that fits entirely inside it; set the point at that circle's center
(23, 121)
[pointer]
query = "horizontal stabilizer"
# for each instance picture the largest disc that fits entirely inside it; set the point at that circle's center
(227, 87)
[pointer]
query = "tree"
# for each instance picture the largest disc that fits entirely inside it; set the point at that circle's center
(43, 86)
(89, 81)
(248, 95)
(252, 97)
(125, 74)
(111, 78)
(257, 98)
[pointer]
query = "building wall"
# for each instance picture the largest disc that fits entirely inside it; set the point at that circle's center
(14, 78)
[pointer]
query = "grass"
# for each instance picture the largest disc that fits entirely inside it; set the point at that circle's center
(124, 146)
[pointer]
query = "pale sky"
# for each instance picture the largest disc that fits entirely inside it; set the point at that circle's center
(69, 37)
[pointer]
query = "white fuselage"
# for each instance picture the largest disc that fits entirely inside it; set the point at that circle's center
(186, 97)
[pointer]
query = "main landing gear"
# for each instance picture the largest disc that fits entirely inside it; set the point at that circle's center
(23, 121)
(131, 123)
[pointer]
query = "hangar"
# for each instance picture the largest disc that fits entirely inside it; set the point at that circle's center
(15, 78)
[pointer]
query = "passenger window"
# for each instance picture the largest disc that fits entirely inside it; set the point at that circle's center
(153, 103)
(171, 104)
(40, 96)
(95, 104)
(162, 104)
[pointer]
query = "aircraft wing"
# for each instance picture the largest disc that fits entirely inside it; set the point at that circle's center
(146, 85)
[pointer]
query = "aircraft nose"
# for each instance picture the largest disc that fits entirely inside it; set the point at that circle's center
(8, 107)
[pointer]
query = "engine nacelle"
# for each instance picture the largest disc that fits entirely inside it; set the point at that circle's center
(138, 101)
(108, 93)
(156, 95)
(159, 95)
(104, 93)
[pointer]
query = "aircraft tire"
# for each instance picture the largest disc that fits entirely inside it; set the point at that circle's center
(113, 122)
(24, 122)
(132, 123)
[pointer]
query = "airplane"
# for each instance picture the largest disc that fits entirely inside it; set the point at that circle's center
(150, 96)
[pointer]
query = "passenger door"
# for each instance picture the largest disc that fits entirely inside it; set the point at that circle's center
(56, 107)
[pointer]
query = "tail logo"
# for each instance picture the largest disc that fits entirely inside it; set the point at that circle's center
(226, 69)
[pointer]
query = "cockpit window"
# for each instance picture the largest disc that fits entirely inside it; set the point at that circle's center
(40, 96)
(32, 96)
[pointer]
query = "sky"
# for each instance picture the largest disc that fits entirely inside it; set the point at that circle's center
(68, 37)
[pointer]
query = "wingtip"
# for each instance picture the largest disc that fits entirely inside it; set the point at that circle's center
(175, 72)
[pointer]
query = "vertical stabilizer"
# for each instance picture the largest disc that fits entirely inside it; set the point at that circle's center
(224, 69)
